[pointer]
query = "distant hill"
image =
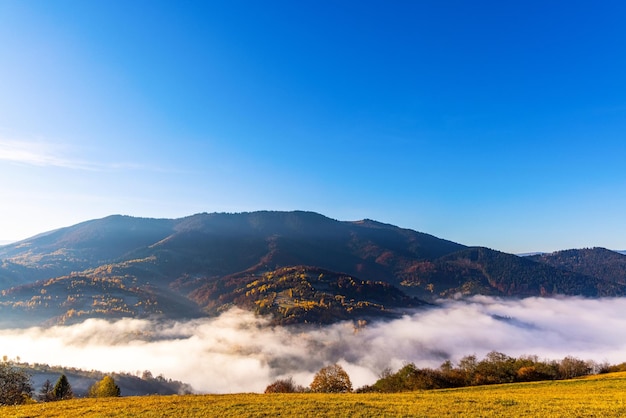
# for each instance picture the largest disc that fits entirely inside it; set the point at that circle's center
(79, 247)
(297, 266)
(479, 270)
(81, 380)
(596, 262)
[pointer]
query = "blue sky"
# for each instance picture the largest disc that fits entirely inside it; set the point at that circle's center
(491, 123)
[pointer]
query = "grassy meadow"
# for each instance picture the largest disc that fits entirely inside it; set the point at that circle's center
(595, 396)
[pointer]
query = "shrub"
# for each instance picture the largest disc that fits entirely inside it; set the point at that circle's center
(284, 386)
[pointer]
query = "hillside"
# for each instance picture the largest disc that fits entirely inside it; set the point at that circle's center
(297, 266)
(595, 262)
(81, 380)
(484, 271)
(304, 294)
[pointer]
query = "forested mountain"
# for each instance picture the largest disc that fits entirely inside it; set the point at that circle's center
(296, 266)
(480, 270)
(597, 262)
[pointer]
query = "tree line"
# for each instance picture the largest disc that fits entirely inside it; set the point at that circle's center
(329, 379)
(495, 368)
(16, 387)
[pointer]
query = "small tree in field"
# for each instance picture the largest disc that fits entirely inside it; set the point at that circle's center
(15, 386)
(331, 379)
(104, 388)
(62, 389)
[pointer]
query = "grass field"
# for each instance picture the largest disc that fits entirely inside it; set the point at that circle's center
(596, 396)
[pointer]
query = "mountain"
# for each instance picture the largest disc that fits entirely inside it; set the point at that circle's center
(79, 247)
(596, 262)
(296, 266)
(479, 270)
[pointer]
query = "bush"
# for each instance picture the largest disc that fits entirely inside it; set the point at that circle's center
(284, 386)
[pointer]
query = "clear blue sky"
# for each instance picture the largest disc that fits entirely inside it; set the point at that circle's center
(494, 123)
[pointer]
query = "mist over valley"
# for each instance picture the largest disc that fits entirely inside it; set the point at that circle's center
(232, 302)
(242, 352)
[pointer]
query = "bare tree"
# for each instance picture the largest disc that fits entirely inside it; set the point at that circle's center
(46, 393)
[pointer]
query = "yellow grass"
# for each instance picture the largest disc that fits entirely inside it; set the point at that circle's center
(598, 396)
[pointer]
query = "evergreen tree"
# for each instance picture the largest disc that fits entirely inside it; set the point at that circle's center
(62, 389)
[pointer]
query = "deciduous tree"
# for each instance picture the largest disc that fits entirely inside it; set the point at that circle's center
(104, 388)
(331, 379)
(15, 386)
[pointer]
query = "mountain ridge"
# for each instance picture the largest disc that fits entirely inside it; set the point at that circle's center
(264, 261)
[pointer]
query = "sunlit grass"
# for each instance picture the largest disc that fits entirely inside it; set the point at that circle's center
(599, 396)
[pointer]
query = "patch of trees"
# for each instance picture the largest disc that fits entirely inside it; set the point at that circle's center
(16, 386)
(132, 384)
(495, 368)
(329, 379)
(62, 390)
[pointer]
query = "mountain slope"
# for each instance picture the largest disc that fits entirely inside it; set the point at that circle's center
(304, 294)
(596, 262)
(121, 266)
(481, 270)
(297, 266)
(79, 247)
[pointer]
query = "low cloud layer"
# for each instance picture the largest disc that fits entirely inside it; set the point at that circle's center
(238, 352)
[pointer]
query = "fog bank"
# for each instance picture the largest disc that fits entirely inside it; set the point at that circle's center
(238, 352)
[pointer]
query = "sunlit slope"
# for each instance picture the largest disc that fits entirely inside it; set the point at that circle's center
(203, 264)
(599, 396)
